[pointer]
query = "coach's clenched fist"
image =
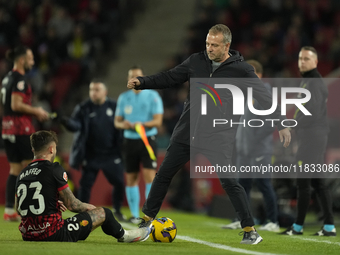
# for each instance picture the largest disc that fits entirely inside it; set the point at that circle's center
(133, 83)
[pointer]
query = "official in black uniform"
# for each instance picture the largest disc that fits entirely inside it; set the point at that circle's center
(220, 62)
(97, 144)
(16, 97)
(312, 132)
(43, 194)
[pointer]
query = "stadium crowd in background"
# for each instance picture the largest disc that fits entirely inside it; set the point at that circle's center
(66, 37)
(69, 37)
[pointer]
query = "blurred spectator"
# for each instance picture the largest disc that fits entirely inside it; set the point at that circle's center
(7, 28)
(44, 11)
(78, 48)
(26, 36)
(22, 10)
(62, 23)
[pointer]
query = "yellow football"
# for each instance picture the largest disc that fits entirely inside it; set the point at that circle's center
(163, 230)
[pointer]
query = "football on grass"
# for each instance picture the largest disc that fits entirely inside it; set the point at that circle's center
(163, 230)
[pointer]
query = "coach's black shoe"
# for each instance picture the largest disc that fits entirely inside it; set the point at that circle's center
(251, 237)
(145, 223)
(323, 232)
(290, 232)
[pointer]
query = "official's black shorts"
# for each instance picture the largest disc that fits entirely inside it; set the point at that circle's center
(135, 152)
(18, 148)
(75, 228)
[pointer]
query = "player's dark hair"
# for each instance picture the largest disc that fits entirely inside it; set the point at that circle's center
(41, 139)
(98, 80)
(14, 54)
(310, 48)
(257, 66)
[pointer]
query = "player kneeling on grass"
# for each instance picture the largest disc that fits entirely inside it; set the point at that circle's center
(42, 193)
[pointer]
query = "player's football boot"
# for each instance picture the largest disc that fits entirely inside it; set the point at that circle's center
(270, 226)
(290, 232)
(323, 232)
(251, 237)
(135, 235)
(12, 217)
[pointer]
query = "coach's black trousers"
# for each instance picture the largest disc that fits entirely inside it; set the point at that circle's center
(311, 150)
(176, 156)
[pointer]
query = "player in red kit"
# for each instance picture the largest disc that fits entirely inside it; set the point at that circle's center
(16, 96)
(42, 194)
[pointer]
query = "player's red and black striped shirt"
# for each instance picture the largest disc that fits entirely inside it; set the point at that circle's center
(37, 192)
(16, 123)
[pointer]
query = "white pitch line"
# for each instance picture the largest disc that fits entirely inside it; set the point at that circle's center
(318, 241)
(214, 245)
(222, 246)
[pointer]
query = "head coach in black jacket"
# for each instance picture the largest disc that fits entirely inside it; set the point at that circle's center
(96, 144)
(221, 62)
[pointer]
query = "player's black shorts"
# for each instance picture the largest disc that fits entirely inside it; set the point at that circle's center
(135, 152)
(18, 148)
(75, 228)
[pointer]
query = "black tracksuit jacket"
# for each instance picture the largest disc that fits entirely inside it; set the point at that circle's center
(317, 105)
(198, 65)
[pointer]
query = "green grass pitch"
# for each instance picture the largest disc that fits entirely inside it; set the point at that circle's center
(204, 234)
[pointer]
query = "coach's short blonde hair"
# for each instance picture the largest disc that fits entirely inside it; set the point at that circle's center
(224, 30)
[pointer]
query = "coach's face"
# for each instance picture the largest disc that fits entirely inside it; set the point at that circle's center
(307, 61)
(98, 92)
(217, 50)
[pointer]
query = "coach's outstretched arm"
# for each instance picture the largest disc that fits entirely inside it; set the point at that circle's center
(72, 203)
(174, 77)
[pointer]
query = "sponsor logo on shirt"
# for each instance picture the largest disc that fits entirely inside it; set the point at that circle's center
(109, 112)
(128, 109)
(84, 223)
(21, 85)
(65, 176)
